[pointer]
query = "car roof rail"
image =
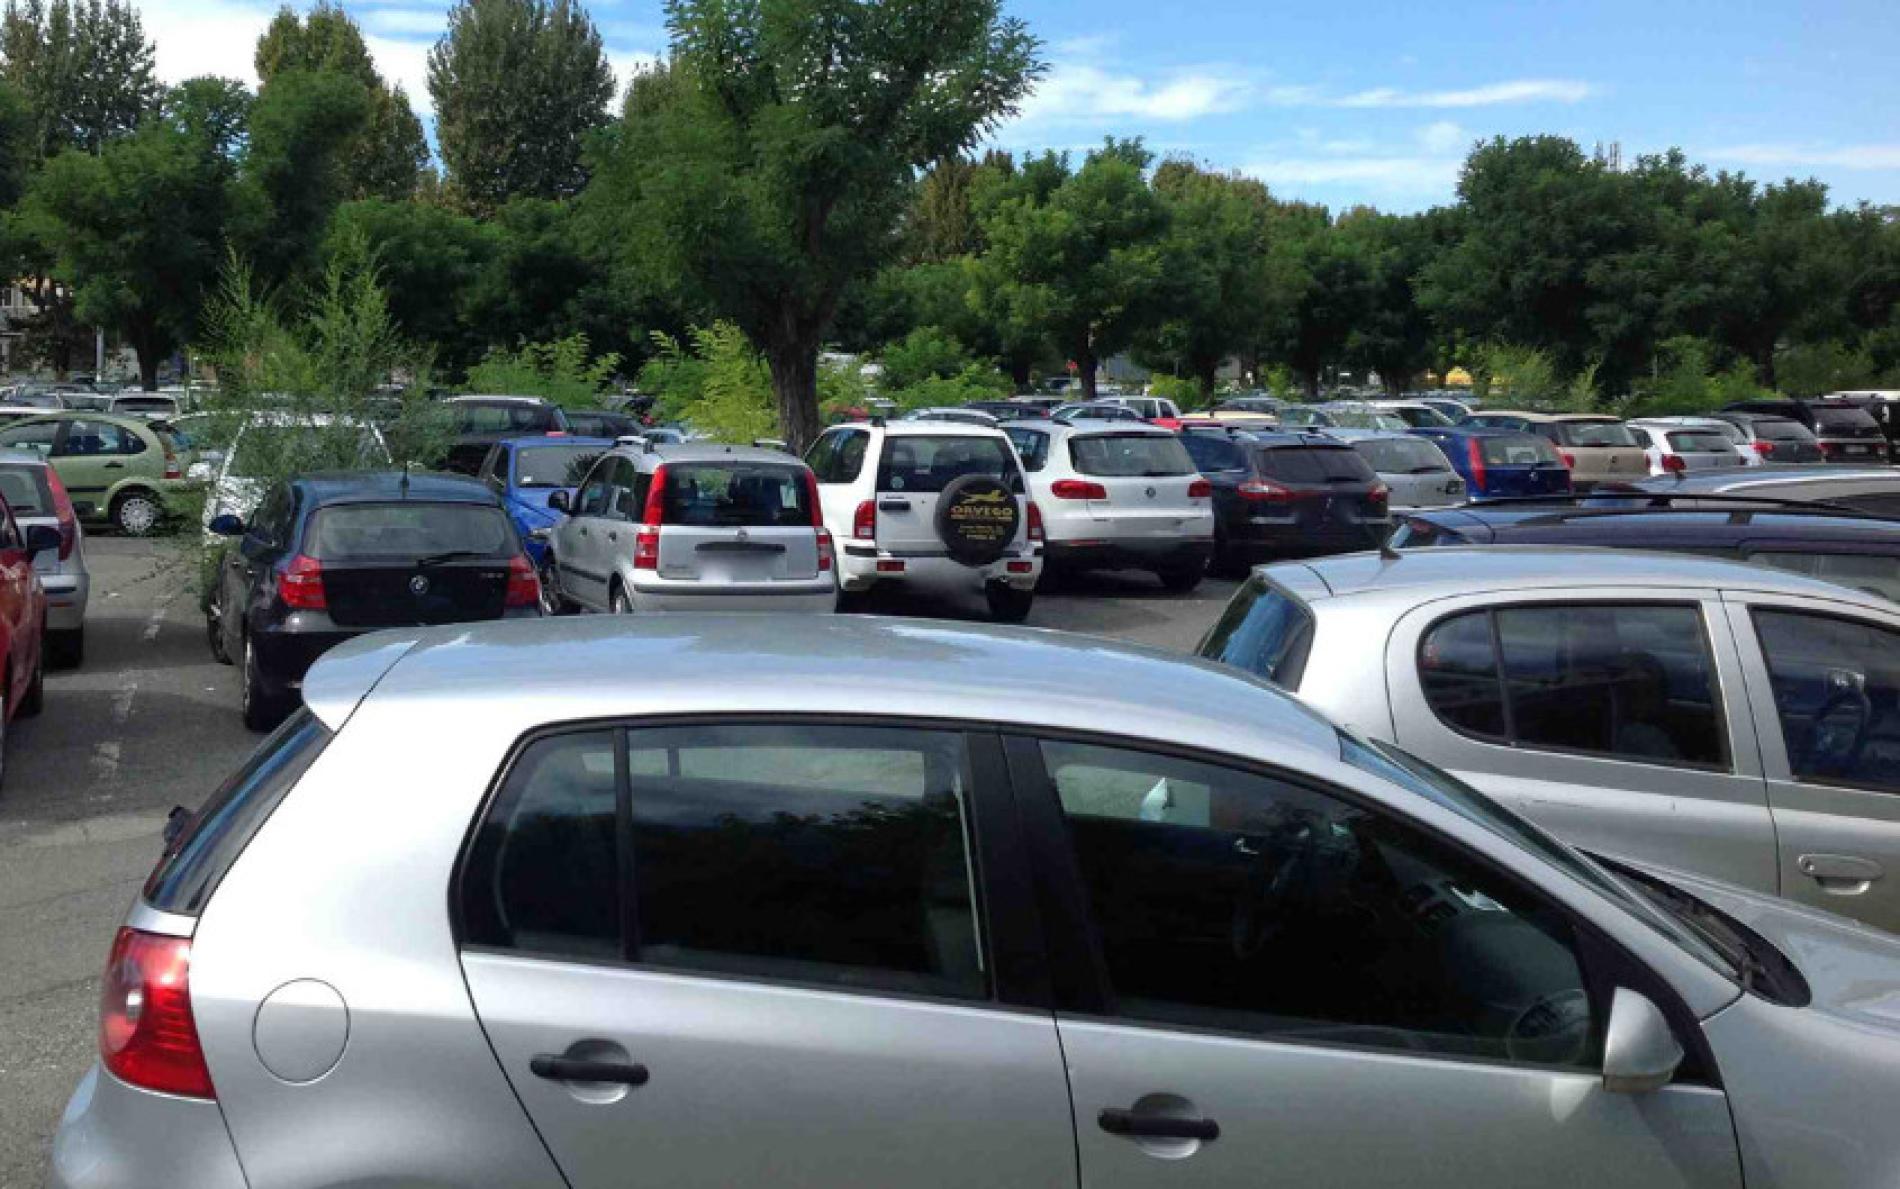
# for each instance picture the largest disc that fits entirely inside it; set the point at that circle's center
(1662, 499)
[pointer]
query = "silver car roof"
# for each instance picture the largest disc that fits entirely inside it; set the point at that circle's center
(566, 669)
(1421, 575)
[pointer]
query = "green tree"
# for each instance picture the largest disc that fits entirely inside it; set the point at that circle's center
(432, 264)
(770, 168)
(1215, 279)
(1082, 259)
(1392, 335)
(562, 370)
(388, 155)
(518, 86)
(301, 130)
(84, 66)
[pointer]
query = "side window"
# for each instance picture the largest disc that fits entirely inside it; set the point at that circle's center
(1228, 900)
(9, 530)
(850, 461)
(592, 498)
(1211, 453)
(493, 467)
(1632, 681)
(544, 874)
(37, 438)
(1837, 692)
(1264, 631)
(622, 503)
(271, 524)
(120, 440)
(822, 457)
(1875, 573)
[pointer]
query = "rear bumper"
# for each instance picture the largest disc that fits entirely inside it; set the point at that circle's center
(1292, 534)
(286, 652)
(858, 570)
(66, 598)
(1157, 554)
(815, 598)
(113, 1136)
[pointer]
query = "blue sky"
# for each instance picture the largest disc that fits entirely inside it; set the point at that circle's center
(1351, 101)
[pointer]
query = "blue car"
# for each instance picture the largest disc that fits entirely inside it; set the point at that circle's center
(526, 472)
(1498, 463)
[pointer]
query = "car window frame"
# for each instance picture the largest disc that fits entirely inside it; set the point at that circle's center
(1720, 708)
(1079, 975)
(1007, 919)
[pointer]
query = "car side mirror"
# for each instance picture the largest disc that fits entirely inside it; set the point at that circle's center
(227, 524)
(1640, 1051)
(561, 502)
(41, 538)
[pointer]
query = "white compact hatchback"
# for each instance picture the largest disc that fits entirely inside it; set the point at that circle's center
(1118, 496)
(929, 504)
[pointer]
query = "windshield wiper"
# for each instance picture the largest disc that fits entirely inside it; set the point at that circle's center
(449, 555)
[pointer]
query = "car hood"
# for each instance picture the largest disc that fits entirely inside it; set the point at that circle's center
(1852, 970)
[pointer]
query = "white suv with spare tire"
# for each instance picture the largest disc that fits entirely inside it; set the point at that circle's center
(929, 504)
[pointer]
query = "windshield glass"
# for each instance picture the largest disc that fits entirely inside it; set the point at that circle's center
(1844, 418)
(1125, 455)
(511, 418)
(1595, 433)
(1699, 441)
(1402, 456)
(1032, 446)
(1315, 464)
(553, 466)
(1783, 431)
(410, 529)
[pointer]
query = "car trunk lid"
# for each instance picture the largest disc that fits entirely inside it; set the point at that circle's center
(1146, 480)
(411, 563)
(912, 474)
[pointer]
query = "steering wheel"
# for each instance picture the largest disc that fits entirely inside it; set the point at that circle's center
(1553, 1030)
(1836, 748)
(1257, 919)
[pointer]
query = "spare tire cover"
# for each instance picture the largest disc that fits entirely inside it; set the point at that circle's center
(977, 518)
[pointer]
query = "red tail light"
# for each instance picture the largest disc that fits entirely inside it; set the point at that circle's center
(172, 469)
(1829, 448)
(63, 508)
(1674, 464)
(1264, 491)
(1076, 489)
(1570, 460)
(1763, 448)
(524, 586)
(1200, 489)
(864, 521)
(301, 586)
(1475, 450)
(147, 1036)
(646, 548)
(811, 493)
(655, 513)
(1379, 495)
(824, 551)
(1035, 522)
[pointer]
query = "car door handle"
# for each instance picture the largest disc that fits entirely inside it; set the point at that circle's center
(1121, 1121)
(1844, 875)
(890, 505)
(114, 466)
(573, 1069)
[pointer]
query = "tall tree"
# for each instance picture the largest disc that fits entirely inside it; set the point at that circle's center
(1079, 254)
(518, 86)
(84, 66)
(770, 168)
(1392, 336)
(1214, 253)
(295, 168)
(389, 155)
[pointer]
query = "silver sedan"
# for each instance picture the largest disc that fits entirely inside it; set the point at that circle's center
(723, 902)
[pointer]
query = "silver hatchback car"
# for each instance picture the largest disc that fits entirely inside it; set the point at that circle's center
(802, 902)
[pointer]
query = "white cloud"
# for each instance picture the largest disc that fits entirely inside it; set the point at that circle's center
(1076, 92)
(1529, 90)
(1409, 174)
(1862, 156)
(428, 23)
(1442, 136)
(198, 37)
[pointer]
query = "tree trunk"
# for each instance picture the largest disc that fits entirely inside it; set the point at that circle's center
(1311, 380)
(1019, 374)
(150, 346)
(794, 370)
(1765, 367)
(1085, 363)
(1205, 374)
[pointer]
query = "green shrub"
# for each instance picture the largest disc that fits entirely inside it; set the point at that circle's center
(1183, 392)
(559, 371)
(715, 382)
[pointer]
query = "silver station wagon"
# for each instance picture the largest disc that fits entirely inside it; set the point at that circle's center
(1706, 715)
(727, 901)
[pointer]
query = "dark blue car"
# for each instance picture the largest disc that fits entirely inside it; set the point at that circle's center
(526, 472)
(1495, 463)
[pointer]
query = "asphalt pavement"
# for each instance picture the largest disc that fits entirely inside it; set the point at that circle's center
(151, 721)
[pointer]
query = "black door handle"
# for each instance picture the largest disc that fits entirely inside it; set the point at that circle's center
(893, 505)
(115, 466)
(572, 1069)
(1120, 1121)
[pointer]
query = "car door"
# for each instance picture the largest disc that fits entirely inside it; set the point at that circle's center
(1274, 983)
(1824, 679)
(1618, 721)
(582, 568)
(737, 954)
(246, 569)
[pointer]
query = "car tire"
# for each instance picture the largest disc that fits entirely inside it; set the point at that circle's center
(214, 629)
(262, 710)
(137, 513)
(553, 602)
(1007, 604)
(618, 601)
(66, 650)
(1226, 562)
(34, 700)
(1181, 579)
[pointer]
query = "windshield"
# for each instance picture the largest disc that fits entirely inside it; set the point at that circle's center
(1315, 464)
(510, 418)
(1783, 431)
(553, 466)
(1402, 456)
(1844, 418)
(1599, 434)
(410, 529)
(1128, 455)
(1420, 416)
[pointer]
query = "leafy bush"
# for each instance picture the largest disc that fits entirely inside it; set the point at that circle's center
(1687, 382)
(559, 371)
(716, 383)
(1183, 392)
(1520, 376)
(1820, 368)
(975, 382)
(926, 353)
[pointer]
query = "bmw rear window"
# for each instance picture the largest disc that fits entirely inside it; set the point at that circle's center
(407, 530)
(196, 860)
(1130, 455)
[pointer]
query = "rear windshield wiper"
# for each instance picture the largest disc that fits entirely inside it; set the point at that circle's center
(449, 555)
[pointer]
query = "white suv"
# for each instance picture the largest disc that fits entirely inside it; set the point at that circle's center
(929, 503)
(1118, 496)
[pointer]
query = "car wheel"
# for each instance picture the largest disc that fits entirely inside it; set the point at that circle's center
(3, 738)
(618, 601)
(262, 711)
(34, 700)
(137, 513)
(1227, 562)
(1007, 604)
(553, 602)
(214, 628)
(68, 649)
(1181, 579)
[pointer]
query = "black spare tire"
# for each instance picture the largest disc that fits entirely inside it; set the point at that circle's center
(977, 518)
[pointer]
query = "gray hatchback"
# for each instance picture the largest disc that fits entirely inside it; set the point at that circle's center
(718, 901)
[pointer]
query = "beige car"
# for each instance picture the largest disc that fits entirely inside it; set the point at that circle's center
(1597, 448)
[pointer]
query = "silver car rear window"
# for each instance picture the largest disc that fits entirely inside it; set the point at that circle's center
(26, 490)
(1402, 456)
(1595, 434)
(735, 495)
(1698, 441)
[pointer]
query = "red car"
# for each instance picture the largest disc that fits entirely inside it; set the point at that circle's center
(22, 621)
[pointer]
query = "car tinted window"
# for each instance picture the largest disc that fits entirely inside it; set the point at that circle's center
(1264, 631)
(405, 530)
(1458, 669)
(553, 466)
(1213, 453)
(26, 490)
(1875, 573)
(86, 439)
(1699, 441)
(735, 494)
(1231, 900)
(1315, 464)
(1588, 434)
(1783, 431)
(196, 860)
(1518, 451)
(37, 437)
(1032, 446)
(509, 418)
(1124, 455)
(1844, 418)
(591, 500)
(1402, 456)
(836, 855)
(923, 464)
(543, 874)
(1837, 693)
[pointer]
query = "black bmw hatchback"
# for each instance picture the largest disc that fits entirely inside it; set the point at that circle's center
(330, 556)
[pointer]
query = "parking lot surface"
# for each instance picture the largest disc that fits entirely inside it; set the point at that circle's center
(150, 721)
